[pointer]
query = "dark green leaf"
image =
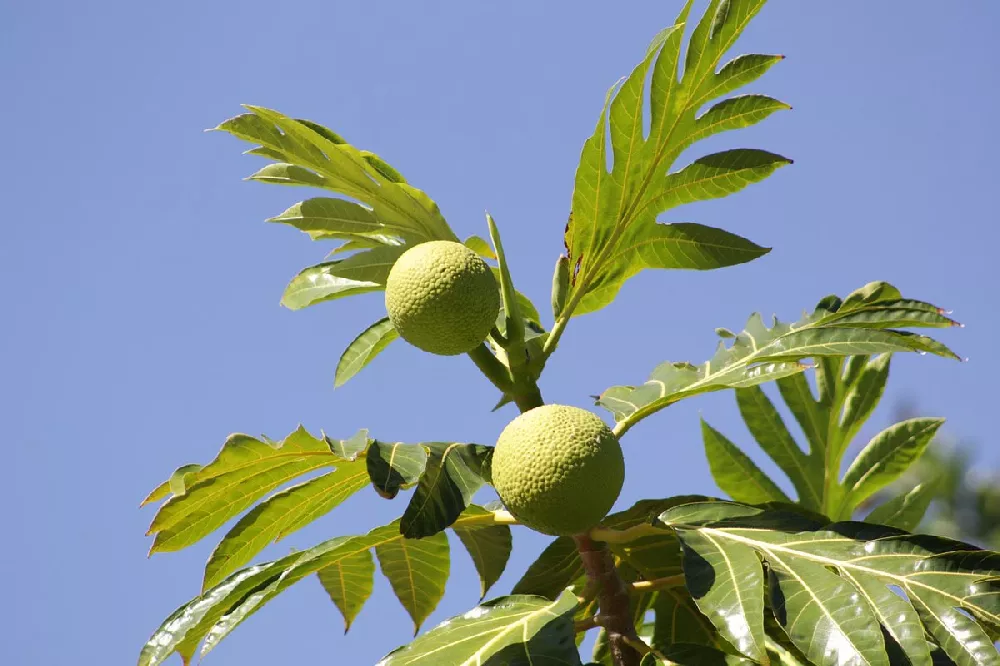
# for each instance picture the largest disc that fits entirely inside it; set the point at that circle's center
(812, 417)
(954, 587)
(691, 654)
(349, 583)
(508, 630)
(417, 570)
(678, 620)
(392, 466)
(904, 511)
(735, 473)
(453, 474)
(772, 435)
(727, 584)
(363, 349)
(886, 457)
(864, 394)
(553, 571)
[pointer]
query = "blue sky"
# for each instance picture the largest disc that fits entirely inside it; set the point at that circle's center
(141, 285)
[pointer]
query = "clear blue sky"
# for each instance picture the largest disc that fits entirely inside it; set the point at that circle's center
(141, 285)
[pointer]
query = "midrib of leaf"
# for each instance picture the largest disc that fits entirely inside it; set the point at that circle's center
(902, 581)
(817, 602)
(521, 624)
(739, 596)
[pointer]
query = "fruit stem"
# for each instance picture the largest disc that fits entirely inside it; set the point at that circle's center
(491, 366)
(613, 600)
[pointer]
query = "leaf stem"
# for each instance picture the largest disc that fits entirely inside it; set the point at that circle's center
(657, 583)
(587, 623)
(491, 366)
(608, 535)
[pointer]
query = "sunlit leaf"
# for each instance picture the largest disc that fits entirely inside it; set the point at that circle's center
(372, 341)
(417, 570)
(245, 470)
(360, 273)
(349, 582)
(613, 233)
(509, 630)
(760, 354)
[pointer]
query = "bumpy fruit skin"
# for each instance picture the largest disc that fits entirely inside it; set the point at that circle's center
(558, 469)
(442, 298)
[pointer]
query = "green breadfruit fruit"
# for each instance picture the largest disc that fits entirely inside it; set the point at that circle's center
(558, 469)
(442, 298)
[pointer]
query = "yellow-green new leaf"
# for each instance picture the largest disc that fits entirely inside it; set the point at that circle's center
(417, 570)
(372, 342)
(245, 470)
(349, 583)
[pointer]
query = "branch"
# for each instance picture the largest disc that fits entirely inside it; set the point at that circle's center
(491, 366)
(613, 599)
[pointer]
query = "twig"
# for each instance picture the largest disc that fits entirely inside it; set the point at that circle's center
(624, 536)
(613, 599)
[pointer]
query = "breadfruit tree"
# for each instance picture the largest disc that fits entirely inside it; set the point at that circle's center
(758, 578)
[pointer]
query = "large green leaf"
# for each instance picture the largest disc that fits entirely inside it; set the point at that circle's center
(393, 466)
(727, 583)
(349, 582)
(244, 471)
(826, 578)
(906, 510)
(210, 617)
(760, 354)
(613, 233)
(509, 630)
(372, 341)
(417, 570)
(453, 474)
